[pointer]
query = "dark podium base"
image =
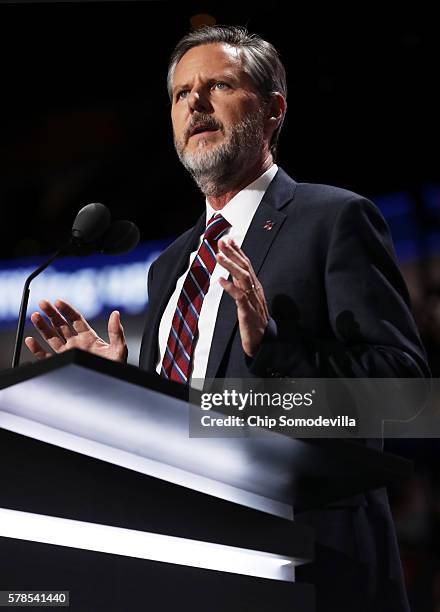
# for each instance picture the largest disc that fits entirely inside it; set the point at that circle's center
(87, 439)
(113, 583)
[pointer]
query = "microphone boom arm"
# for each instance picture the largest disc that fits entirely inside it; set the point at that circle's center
(24, 305)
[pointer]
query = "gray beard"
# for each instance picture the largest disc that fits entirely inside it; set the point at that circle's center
(220, 169)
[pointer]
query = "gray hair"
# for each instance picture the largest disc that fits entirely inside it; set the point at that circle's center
(261, 61)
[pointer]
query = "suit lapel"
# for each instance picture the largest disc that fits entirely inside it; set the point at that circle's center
(260, 236)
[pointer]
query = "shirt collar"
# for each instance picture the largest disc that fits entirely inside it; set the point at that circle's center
(244, 204)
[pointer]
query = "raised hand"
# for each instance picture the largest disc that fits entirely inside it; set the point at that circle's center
(248, 293)
(68, 329)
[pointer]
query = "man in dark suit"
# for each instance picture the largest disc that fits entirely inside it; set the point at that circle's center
(300, 282)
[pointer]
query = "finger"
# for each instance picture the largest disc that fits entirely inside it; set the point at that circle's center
(235, 253)
(58, 321)
(246, 290)
(36, 348)
(239, 255)
(241, 297)
(74, 317)
(251, 317)
(237, 272)
(230, 249)
(246, 281)
(115, 330)
(47, 332)
(239, 251)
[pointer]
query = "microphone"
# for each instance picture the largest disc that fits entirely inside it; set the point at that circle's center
(90, 224)
(92, 231)
(121, 237)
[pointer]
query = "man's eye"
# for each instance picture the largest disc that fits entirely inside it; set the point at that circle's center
(181, 94)
(220, 85)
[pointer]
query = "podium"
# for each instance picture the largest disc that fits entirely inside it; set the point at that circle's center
(104, 494)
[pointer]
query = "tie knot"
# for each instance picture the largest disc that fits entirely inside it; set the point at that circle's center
(216, 227)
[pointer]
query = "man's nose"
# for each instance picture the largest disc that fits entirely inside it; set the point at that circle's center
(198, 101)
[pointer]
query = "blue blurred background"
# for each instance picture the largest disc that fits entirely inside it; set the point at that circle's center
(85, 117)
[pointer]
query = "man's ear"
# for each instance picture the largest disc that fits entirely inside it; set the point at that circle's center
(276, 110)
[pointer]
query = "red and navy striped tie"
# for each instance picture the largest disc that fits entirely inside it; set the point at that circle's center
(177, 360)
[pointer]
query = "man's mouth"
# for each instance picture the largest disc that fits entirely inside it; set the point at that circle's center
(202, 129)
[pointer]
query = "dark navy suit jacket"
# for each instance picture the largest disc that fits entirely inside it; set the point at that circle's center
(339, 308)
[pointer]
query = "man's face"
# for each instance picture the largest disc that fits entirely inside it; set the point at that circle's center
(217, 115)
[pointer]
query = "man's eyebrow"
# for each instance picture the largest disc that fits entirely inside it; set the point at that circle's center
(230, 76)
(177, 87)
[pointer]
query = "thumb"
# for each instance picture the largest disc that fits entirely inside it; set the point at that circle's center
(115, 329)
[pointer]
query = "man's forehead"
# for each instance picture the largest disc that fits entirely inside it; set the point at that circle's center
(204, 58)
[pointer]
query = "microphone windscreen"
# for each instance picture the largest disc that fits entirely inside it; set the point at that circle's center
(90, 224)
(121, 237)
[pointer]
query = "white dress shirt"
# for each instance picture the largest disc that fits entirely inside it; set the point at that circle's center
(239, 212)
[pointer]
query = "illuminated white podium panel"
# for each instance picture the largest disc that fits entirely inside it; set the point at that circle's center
(104, 494)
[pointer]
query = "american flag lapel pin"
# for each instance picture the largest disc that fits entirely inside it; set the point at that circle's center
(268, 225)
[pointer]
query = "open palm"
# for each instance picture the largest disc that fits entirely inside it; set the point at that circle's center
(68, 329)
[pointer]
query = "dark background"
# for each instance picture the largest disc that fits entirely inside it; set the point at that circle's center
(84, 116)
(85, 113)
